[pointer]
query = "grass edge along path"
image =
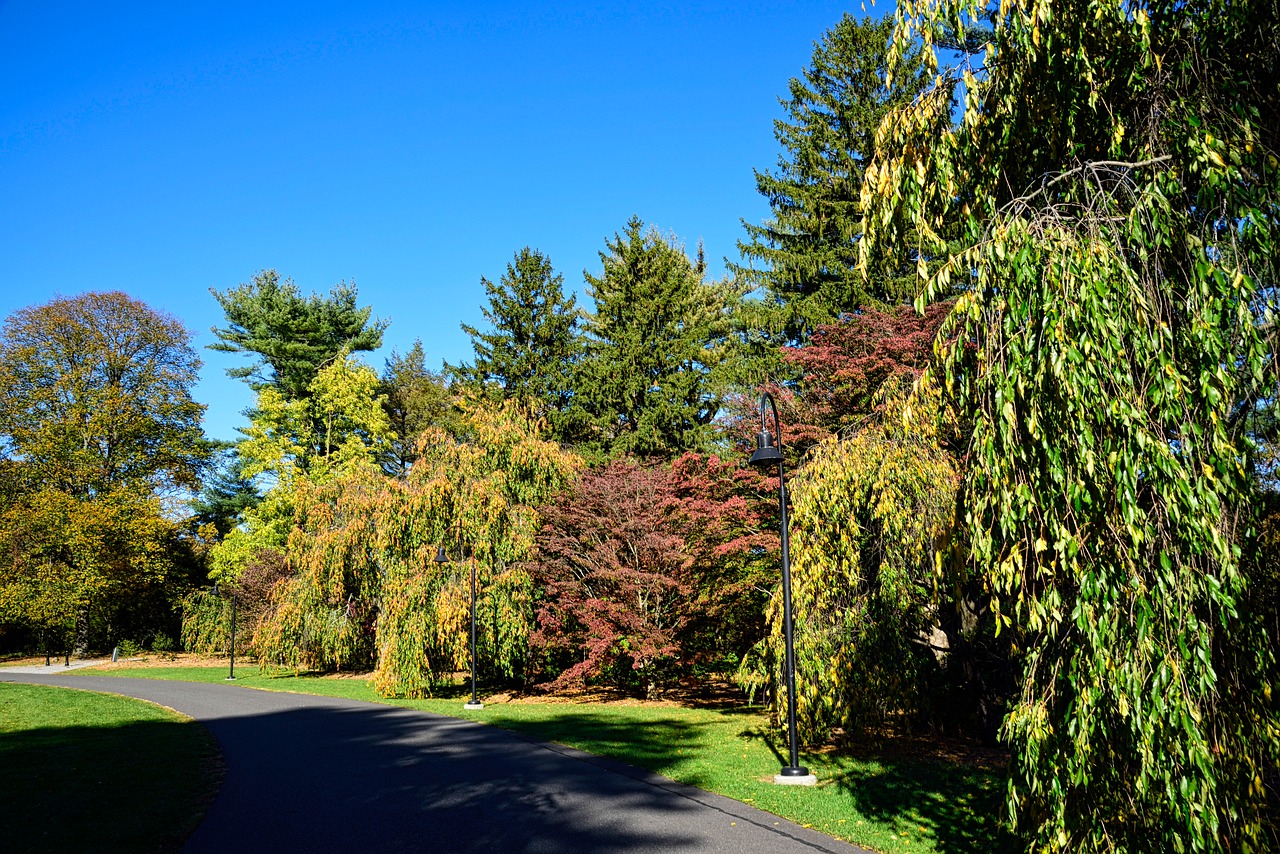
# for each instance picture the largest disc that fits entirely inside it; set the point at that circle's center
(75, 764)
(892, 806)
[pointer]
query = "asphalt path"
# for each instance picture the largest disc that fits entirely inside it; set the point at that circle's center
(308, 773)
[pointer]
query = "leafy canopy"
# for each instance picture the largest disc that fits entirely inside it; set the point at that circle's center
(97, 430)
(95, 394)
(293, 336)
(1115, 175)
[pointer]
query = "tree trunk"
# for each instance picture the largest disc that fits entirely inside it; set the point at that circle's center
(80, 643)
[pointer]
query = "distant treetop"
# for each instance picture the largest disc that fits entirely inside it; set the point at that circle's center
(294, 336)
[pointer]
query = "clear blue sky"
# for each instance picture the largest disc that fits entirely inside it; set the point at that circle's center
(162, 149)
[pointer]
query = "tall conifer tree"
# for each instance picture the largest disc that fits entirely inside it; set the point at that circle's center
(414, 398)
(294, 336)
(649, 383)
(805, 255)
(529, 351)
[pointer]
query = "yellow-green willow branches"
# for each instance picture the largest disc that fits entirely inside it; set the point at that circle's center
(868, 513)
(340, 425)
(475, 494)
(365, 589)
(339, 430)
(1115, 172)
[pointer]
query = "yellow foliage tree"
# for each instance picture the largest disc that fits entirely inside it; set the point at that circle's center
(367, 588)
(869, 512)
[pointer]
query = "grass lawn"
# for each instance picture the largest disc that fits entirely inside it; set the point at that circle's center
(887, 804)
(81, 771)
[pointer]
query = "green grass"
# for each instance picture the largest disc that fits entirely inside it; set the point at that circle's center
(904, 805)
(81, 771)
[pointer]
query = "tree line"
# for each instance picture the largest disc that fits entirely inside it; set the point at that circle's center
(1016, 301)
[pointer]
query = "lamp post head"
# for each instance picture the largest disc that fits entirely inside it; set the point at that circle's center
(215, 589)
(441, 557)
(766, 452)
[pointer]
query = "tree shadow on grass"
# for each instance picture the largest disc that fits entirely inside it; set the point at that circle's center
(314, 773)
(959, 806)
(655, 745)
(141, 786)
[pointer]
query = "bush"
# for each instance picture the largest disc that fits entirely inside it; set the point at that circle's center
(163, 643)
(129, 649)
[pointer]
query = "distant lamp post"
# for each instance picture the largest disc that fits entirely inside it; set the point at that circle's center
(474, 703)
(232, 675)
(768, 452)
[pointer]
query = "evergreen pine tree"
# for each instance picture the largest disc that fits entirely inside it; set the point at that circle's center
(649, 383)
(533, 340)
(805, 255)
(295, 336)
(225, 495)
(414, 398)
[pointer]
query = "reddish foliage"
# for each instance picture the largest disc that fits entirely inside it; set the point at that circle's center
(616, 574)
(846, 364)
(844, 367)
(646, 568)
(256, 582)
(800, 429)
(729, 512)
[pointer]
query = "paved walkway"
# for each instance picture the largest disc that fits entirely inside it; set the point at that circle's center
(54, 667)
(308, 773)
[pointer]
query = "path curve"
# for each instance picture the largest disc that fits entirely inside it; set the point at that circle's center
(310, 773)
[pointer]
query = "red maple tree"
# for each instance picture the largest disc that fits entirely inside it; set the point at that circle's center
(845, 366)
(646, 569)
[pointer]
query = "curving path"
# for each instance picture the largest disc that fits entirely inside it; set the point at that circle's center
(307, 773)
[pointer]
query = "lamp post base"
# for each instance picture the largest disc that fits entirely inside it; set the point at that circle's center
(473, 707)
(229, 679)
(796, 775)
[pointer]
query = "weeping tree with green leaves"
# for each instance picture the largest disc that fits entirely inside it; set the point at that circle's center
(365, 590)
(474, 494)
(1115, 171)
(297, 446)
(869, 511)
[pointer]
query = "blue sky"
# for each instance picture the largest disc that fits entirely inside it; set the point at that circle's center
(163, 149)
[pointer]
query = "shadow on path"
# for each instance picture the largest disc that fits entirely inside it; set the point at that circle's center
(308, 773)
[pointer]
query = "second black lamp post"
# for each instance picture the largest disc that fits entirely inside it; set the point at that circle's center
(232, 675)
(767, 453)
(474, 703)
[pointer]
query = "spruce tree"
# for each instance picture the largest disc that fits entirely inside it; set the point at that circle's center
(805, 255)
(414, 398)
(529, 350)
(225, 495)
(649, 384)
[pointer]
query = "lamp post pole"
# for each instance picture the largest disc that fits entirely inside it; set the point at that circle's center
(234, 601)
(474, 703)
(767, 452)
(216, 592)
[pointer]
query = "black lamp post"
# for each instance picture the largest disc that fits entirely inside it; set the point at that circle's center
(232, 675)
(474, 703)
(767, 453)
